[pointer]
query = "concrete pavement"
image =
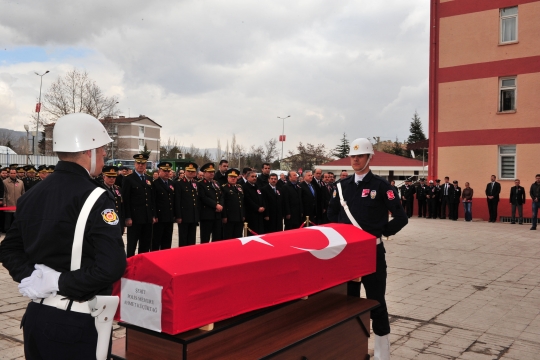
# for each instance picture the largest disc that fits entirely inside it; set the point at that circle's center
(456, 290)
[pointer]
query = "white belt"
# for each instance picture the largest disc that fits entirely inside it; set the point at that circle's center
(61, 303)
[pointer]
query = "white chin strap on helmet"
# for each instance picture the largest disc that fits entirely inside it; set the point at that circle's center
(367, 162)
(93, 162)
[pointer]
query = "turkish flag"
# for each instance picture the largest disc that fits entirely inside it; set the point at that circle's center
(206, 283)
(38, 107)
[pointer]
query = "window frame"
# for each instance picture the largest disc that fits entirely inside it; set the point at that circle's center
(503, 17)
(141, 147)
(141, 131)
(501, 155)
(501, 88)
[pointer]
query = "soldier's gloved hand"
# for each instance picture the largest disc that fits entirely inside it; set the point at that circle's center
(41, 284)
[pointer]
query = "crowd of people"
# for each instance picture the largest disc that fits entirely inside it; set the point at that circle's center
(435, 200)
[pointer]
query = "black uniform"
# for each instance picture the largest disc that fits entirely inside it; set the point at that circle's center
(210, 195)
(187, 208)
(233, 211)
(310, 201)
(29, 182)
(163, 195)
(431, 200)
(407, 199)
(438, 201)
(44, 235)
(119, 204)
(273, 210)
(292, 205)
(421, 192)
(139, 207)
(454, 202)
(253, 200)
(371, 213)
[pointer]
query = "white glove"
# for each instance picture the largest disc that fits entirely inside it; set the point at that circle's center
(41, 284)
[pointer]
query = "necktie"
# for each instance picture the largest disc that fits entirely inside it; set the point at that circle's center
(274, 190)
(446, 189)
(142, 179)
(311, 188)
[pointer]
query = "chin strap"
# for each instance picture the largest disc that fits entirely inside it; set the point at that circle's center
(367, 162)
(93, 162)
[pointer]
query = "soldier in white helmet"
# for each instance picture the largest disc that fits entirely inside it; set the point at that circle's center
(364, 200)
(68, 250)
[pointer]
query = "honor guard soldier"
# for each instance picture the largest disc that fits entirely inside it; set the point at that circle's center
(109, 182)
(233, 215)
(30, 179)
(211, 199)
(364, 200)
(186, 205)
(163, 194)
(139, 207)
(254, 204)
(68, 251)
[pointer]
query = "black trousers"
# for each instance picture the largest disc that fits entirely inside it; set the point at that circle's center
(210, 227)
(454, 210)
(187, 233)
(409, 207)
(432, 208)
(3, 221)
(233, 229)
(9, 218)
(139, 233)
(444, 204)
(51, 333)
(162, 236)
(293, 223)
(492, 207)
(375, 285)
(422, 207)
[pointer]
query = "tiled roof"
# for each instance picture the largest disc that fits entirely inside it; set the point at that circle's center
(380, 158)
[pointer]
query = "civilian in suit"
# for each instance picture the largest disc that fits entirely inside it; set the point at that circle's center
(221, 175)
(139, 207)
(282, 181)
(273, 213)
(122, 171)
(310, 198)
(517, 199)
(534, 192)
(454, 201)
(211, 199)
(262, 180)
(421, 192)
(326, 194)
(493, 189)
(186, 203)
(233, 214)
(163, 194)
(431, 200)
(242, 180)
(446, 197)
(254, 204)
(292, 202)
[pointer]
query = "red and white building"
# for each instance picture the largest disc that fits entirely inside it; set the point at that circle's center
(485, 95)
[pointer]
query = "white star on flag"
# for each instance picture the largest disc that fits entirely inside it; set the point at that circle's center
(247, 239)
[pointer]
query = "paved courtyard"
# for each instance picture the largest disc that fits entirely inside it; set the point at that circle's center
(456, 290)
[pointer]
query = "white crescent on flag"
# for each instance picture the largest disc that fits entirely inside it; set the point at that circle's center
(336, 244)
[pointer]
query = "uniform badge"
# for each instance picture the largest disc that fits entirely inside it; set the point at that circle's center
(216, 185)
(117, 192)
(240, 189)
(390, 194)
(148, 182)
(365, 192)
(373, 194)
(194, 185)
(258, 191)
(110, 217)
(334, 194)
(172, 188)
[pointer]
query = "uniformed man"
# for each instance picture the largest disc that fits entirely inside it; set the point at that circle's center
(421, 192)
(163, 195)
(186, 203)
(221, 175)
(438, 198)
(254, 203)
(233, 215)
(42, 172)
(273, 213)
(292, 202)
(139, 207)
(110, 174)
(431, 200)
(51, 168)
(21, 173)
(211, 199)
(368, 199)
(407, 197)
(37, 250)
(30, 179)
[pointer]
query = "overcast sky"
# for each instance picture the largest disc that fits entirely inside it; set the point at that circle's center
(207, 69)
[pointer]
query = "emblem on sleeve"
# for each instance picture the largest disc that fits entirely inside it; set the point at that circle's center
(365, 192)
(110, 217)
(390, 194)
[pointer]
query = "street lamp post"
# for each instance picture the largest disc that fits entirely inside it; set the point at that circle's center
(38, 109)
(282, 137)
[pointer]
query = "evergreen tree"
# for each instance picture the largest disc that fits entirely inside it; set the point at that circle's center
(417, 133)
(397, 149)
(146, 151)
(342, 150)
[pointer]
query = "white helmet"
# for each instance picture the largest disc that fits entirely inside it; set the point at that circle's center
(79, 132)
(361, 146)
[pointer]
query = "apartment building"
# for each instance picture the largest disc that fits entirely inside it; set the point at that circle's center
(485, 95)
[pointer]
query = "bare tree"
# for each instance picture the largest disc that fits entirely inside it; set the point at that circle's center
(77, 92)
(270, 150)
(308, 156)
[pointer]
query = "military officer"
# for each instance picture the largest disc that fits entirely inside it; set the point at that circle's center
(42, 172)
(211, 199)
(50, 169)
(364, 200)
(233, 206)
(407, 197)
(431, 200)
(421, 192)
(139, 207)
(163, 194)
(21, 173)
(186, 204)
(110, 174)
(30, 179)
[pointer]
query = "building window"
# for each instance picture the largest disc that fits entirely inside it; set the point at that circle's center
(507, 94)
(507, 161)
(141, 131)
(141, 144)
(509, 24)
